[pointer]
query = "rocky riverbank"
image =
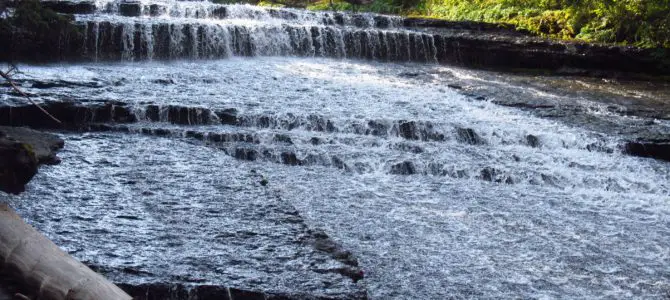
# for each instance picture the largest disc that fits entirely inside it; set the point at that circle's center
(22, 150)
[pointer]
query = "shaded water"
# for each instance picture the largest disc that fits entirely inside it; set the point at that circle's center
(437, 194)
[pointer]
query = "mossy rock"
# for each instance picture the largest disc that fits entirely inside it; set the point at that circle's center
(18, 165)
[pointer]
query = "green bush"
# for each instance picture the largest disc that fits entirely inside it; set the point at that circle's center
(643, 23)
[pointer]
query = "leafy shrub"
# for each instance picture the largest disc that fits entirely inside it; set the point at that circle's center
(635, 22)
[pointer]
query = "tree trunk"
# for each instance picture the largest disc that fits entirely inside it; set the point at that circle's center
(45, 270)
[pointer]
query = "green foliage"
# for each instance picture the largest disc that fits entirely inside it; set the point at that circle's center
(643, 23)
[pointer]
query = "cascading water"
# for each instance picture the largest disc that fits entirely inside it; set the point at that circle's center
(176, 29)
(245, 172)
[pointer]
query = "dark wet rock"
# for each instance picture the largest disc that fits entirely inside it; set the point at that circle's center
(455, 86)
(377, 128)
(195, 135)
(322, 242)
(489, 174)
(152, 113)
(550, 179)
(231, 137)
(18, 165)
(157, 10)
(181, 115)
(220, 12)
(339, 163)
(355, 274)
(70, 114)
(531, 105)
(161, 132)
(282, 138)
(168, 291)
(598, 147)
(403, 168)
(408, 130)
(130, 9)
(166, 81)
(188, 115)
(282, 14)
(70, 7)
(237, 294)
(289, 158)
(319, 123)
(227, 116)
(469, 136)
(657, 148)
(413, 130)
(407, 148)
(245, 154)
(359, 20)
(316, 141)
(532, 141)
(44, 145)
(21, 152)
(409, 74)
(382, 21)
(64, 83)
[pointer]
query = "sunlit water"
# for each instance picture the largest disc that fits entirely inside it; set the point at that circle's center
(495, 218)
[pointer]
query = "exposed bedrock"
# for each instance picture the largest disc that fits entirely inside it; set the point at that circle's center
(69, 113)
(77, 116)
(70, 7)
(22, 150)
(656, 148)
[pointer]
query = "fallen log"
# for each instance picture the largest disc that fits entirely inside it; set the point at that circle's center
(46, 271)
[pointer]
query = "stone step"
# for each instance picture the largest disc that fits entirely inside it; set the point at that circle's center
(71, 7)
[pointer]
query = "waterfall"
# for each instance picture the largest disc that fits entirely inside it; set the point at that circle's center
(202, 30)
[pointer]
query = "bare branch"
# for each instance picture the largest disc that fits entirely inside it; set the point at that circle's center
(12, 68)
(16, 88)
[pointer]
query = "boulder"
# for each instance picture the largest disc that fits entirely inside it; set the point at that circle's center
(18, 165)
(22, 150)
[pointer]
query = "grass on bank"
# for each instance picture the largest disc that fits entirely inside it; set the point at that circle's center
(643, 23)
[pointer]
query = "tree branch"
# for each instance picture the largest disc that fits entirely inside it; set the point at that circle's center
(16, 88)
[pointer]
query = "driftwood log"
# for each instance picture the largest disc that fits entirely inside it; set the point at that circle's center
(46, 271)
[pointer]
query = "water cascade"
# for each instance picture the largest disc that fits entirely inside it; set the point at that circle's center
(240, 152)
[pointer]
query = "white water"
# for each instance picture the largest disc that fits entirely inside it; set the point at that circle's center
(571, 223)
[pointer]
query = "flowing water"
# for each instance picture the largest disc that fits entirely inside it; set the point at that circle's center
(437, 192)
